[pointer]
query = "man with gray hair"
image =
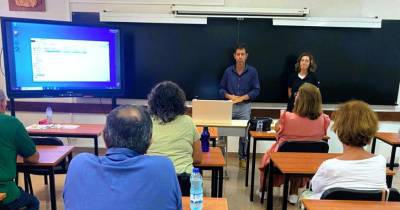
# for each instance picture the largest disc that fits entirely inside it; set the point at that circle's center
(14, 140)
(125, 178)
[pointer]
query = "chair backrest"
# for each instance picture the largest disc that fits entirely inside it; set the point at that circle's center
(53, 141)
(339, 193)
(394, 195)
(304, 146)
(184, 183)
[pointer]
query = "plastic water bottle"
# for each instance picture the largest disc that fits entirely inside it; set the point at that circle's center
(49, 115)
(259, 127)
(196, 190)
(205, 140)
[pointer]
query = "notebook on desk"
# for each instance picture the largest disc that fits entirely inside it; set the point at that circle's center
(212, 111)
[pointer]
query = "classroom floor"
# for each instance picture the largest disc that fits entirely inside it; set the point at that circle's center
(234, 189)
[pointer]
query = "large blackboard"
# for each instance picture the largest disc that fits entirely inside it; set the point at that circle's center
(353, 63)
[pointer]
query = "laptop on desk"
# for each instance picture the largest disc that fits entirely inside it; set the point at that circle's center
(212, 111)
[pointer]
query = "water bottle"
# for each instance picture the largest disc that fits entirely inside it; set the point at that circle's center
(49, 115)
(259, 127)
(196, 190)
(205, 140)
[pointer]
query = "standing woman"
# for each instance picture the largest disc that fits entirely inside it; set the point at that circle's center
(304, 72)
(174, 133)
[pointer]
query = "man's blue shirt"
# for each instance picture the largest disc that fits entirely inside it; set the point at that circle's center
(246, 83)
(122, 179)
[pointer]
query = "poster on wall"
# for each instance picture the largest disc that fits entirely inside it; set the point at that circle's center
(27, 5)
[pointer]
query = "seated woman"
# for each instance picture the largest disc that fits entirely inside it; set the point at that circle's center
(174, 133)
(355, 124)
(305, 123)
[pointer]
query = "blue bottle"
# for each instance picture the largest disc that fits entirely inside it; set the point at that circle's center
(205, 140)
(196, 190)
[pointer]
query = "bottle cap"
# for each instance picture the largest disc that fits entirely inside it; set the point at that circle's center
(196, 170)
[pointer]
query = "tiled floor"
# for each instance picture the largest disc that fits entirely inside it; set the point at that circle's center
(234, 189)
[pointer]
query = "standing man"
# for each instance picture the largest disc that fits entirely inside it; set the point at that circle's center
(14, 139)
(240, 84)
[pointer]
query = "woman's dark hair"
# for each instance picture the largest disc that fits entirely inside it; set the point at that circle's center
(166, 101)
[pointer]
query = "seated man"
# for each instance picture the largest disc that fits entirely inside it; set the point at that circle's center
(14, 139)
(124, 178)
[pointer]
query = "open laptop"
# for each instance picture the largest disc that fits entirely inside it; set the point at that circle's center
(212, 111)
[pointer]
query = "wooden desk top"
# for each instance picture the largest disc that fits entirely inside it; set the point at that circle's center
(2, 196)
(349, 205)
(213, 158)
(82, 130)
(213, 131)
(270, 135)
(390, 138)
(208, 203)
(303, 163)
(49, 155)
(233, 124)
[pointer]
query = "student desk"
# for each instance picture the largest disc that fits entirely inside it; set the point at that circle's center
(208, 203)
(225, 129)
(259, 136)
(296, 164)
(213, 133)
(83, 131)
(50, 157)
(392, 139)
(214, 161)
(349, 205)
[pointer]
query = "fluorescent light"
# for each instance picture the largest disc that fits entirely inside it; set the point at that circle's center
(330, 22)
(207, 11)
(149, 18)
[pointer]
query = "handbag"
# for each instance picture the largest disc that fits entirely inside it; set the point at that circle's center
(266, 123)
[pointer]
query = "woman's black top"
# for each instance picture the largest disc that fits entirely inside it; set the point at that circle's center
(295, 82)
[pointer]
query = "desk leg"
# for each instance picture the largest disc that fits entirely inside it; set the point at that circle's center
(26, 183)
(16, 177)
(391, 166)
(96, 146)
(270, 186)
(373, 145)
(213, 183)
(253, 168)
(52, 190)
(221, 181)
(285, 191)
(247, 159)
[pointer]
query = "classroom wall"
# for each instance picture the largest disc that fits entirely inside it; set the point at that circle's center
(60, 10)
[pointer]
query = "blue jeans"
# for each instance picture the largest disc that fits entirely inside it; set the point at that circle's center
(242, 112)
(30, 202)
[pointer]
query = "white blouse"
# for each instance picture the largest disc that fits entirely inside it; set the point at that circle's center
(353, 174)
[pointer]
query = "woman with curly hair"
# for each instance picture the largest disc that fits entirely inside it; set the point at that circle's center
(355, 124)
(174, 133)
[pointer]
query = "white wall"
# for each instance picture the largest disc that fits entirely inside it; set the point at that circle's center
(342, 8)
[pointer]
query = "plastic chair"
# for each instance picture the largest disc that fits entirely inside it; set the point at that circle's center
(339, 193)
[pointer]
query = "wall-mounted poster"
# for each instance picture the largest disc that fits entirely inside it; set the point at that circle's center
(27, 5)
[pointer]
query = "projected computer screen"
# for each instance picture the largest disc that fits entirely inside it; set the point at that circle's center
(49, 58)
